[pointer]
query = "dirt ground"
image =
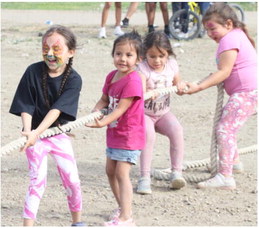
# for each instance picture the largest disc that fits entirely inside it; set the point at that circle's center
(21, 46)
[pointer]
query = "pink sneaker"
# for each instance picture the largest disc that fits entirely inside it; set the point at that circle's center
(115, 214)
(117, 222)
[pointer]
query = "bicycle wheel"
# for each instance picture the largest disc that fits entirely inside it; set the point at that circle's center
(239, 11)
(184, 25)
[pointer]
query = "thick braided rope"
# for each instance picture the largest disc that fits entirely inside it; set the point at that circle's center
(53, 131)
(158, 174)
(217, 116)
(75, 124)
(164, 174)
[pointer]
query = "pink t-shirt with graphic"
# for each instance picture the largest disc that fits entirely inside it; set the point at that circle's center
(156, 80)
(243, 77)
(127, 132)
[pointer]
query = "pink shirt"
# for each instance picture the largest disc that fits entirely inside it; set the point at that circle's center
(128, 132)
(243, 76)
(155, 80)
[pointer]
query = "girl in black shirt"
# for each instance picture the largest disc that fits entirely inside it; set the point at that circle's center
(47, 96)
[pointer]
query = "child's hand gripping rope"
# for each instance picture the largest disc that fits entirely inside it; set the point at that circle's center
(189, 87)
(97, 123)
(182, 87)
(32, 137)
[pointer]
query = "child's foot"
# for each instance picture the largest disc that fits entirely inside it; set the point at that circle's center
(115, 214)
(144, 185)
(219, 181)
(102, 33)
(118, 222)
(177, 180)
(118, 31)
(78, 224)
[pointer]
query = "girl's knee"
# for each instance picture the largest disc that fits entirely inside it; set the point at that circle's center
(122, 177)
(223, 129)
(37, 189)
(224, 134)
(110, 172)
(176, 129)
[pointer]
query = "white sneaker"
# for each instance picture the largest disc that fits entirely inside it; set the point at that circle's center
(219, 181)
(102, 33)
(118, 31)
(177, 180)
(144, 186)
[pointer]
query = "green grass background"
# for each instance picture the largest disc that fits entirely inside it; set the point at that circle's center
(93, 6)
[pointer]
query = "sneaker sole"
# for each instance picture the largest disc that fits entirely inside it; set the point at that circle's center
(129, 224)
(222, 187)
(147, 192)
(177, 184)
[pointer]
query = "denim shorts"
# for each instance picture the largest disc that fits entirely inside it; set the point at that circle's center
(130, 156)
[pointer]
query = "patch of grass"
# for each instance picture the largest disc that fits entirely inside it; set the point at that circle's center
(248, 6)
(52, 5)
(94, 6)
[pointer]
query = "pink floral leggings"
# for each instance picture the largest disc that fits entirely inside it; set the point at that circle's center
(60, 148)
(235, 113)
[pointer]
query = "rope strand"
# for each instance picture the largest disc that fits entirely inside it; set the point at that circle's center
(157, 174)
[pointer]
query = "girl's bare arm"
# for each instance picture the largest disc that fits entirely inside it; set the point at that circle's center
(32, 136)
(226, 63)
(122, 107)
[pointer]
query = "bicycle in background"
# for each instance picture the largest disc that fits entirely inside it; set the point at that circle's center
(185, 24)
(239, 11)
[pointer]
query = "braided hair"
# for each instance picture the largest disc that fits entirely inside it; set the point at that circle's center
(71, 43)
(221, 12)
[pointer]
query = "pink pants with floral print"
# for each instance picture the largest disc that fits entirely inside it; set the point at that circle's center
(60, 148)
(235, 113)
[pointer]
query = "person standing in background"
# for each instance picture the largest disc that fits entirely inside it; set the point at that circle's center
(151, 10)
(131, 10)
(105, 13)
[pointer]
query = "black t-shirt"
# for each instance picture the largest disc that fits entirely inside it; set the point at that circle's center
(29, 95)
